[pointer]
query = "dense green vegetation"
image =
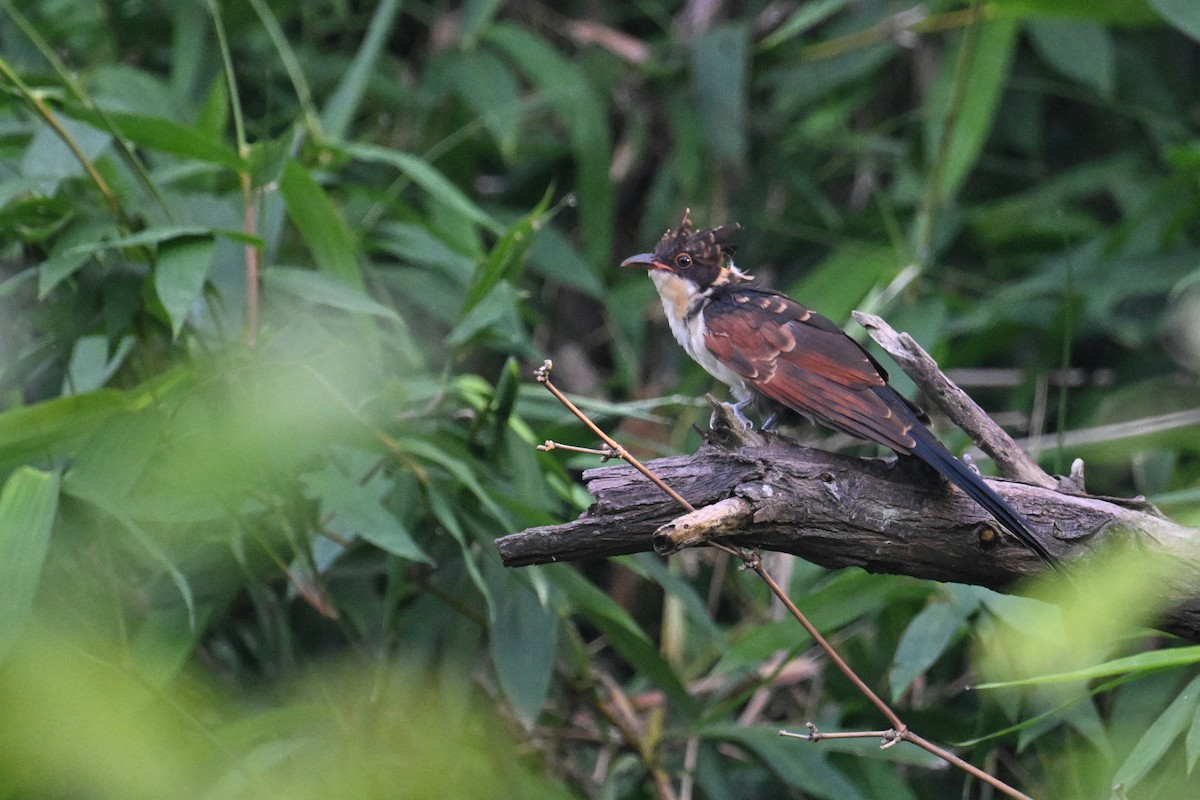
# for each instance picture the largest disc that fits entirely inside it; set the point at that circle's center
(273, 277)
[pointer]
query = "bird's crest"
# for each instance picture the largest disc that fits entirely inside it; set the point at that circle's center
(712, 247)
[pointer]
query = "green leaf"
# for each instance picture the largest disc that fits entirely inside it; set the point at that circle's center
(843, 598)
(416, 245)
(115, 457)
(477, 15)
(54, 428)
(507, 257)
(524, 640)
(129, 89)
(925, 639)
(488, 88)
(494, 321)
(164, 135)
(267, 160)
(839, 283)
(28, 505)
(974, 90)
(179, 275)
(798, 86)
(1078, 49)
(339, 111)
(1159, 737)
(584, 112)
(805, 17)
(49, 161)
(798, 764)
(1115, 12)
(1184, 15)
(213, 115)
(720, 70)
(459, 468)
(355, 510)
(321, 225)
(446, 513)
(623, 633)
(427, 177)
(157, 235)
(321, 289)
(1141, 662)
(652, 567)
(91, 366)
(555, 257)
(57, 268)
(1193, 742)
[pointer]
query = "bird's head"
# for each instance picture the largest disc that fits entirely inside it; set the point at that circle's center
(705, 257)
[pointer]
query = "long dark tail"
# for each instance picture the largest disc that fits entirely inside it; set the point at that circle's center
(935, 454)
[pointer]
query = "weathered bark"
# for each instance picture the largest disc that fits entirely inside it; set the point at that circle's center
(760, 490)
(890, 516)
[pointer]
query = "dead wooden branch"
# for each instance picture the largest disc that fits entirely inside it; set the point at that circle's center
(747, 488)
(883, 515)
(1011, 460)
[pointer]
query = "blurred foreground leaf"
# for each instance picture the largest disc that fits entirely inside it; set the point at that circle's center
(28, 504)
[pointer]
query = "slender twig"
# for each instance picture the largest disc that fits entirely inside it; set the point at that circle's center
(899, 731)
(898, 26)
(824, 644)
(958, 405)
(605, 453)
(543, 377)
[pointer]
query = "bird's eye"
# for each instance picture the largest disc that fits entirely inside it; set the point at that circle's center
(683, 261)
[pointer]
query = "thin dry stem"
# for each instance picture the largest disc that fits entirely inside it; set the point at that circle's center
(1011, 460)
(543, 377)
(899, 731)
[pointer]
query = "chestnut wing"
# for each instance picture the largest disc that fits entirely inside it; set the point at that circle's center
(800, 359)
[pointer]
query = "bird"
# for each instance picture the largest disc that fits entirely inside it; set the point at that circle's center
(779, 355)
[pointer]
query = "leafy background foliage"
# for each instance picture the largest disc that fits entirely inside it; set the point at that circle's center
(248, 553)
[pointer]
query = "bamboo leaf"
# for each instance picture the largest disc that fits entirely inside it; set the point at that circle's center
(161, 134)
(28, 505)
(1155, 742)
(344, 102)
(971, 106)
(924, 641)
(321, 225)
(355, 510)
(321, 289)
(179, 274)
(1141, 662)
(428, 178)
(1182, 14)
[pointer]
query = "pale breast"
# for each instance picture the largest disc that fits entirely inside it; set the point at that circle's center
(678, 299)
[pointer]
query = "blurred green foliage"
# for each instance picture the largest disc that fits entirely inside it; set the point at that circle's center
(246, 533)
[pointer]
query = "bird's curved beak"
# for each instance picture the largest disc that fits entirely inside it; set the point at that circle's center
(643, 260)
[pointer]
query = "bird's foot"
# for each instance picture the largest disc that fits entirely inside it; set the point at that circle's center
(739, 411)
(729, 427)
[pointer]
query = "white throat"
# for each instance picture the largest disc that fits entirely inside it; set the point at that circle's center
(684, 303)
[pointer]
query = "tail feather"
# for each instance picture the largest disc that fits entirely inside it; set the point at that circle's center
(935, 454)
